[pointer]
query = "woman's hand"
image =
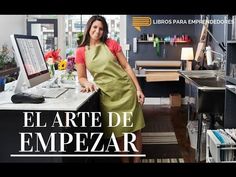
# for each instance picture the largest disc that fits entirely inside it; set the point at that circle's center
(88, 87)
(141, 97)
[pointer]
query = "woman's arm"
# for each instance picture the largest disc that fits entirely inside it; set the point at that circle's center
(83, 80)
(125, 65)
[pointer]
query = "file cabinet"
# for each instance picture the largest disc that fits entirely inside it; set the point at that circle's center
(217, 152)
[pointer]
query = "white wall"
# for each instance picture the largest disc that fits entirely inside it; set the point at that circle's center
(61, 35)
(123, 31)
(11, 24)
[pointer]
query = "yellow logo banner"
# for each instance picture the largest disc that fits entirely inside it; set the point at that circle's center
(138, 22)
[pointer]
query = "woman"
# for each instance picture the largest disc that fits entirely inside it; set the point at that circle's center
(119, 88)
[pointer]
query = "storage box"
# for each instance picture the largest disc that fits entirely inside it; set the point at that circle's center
(192, 127)
(175, 100)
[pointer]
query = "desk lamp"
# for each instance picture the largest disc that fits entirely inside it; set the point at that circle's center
(187, 57)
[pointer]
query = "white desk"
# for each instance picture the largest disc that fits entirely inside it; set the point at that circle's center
(71, 100)
(11, 123)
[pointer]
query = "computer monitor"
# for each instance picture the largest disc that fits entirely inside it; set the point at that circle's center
(30, 59)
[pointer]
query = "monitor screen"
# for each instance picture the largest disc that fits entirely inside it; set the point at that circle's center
(30, 59)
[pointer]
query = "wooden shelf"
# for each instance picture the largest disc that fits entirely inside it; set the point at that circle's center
(154, 63)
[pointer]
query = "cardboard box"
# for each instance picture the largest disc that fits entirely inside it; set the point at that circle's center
(175, 100)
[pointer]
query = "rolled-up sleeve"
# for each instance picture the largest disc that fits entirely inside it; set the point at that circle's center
(80, 55)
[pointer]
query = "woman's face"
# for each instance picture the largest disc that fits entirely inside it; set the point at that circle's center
(96, 30)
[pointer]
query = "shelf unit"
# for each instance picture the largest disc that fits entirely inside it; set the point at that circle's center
(176, 42)
(230, 94)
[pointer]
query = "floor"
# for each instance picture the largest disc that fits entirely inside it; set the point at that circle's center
(159, 119)
(178, 117)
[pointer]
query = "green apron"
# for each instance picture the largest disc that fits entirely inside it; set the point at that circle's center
(117, 91)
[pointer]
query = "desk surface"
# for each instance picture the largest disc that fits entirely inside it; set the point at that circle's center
(205, 80)
(143, 72)
(71, 100)
(164, 63)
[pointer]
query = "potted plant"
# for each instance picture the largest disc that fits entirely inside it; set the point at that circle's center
(7, 63)
(3, 56)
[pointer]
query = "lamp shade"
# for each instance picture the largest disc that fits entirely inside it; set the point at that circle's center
(187, 53)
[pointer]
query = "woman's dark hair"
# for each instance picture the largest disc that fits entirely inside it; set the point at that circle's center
(86, 37)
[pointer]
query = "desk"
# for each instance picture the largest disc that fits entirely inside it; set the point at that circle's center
(159, 78)
(158, 71)
(12, 121)
(71, 100)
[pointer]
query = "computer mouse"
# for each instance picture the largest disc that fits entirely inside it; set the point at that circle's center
(27, 98)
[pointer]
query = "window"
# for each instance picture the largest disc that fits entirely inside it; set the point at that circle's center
(77, 23)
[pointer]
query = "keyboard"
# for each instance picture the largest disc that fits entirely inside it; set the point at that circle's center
(54, 92)
(47, 92)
